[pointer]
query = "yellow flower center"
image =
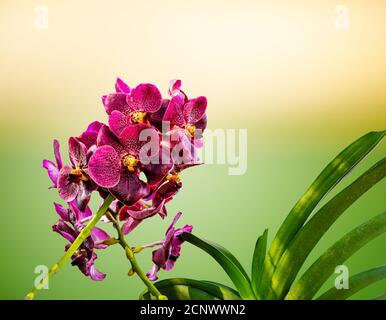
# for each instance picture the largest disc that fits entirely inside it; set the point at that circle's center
(191, 129)
(138, 116)
(173, 176)
(130, 162)
(79, 173)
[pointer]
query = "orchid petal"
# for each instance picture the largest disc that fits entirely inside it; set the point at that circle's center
(57, 154)
(104, 167)
(118, 122)
(52, 170)
(89, 137)
(67, 189)
(152, 274)
(95, 274)
(106, 137)
(78, 153)
(130, 225)
(174, 112)
(115, 101)
(130, 188)
(174, 85)
(98, 235)
(121, 86)
(62, 212)
(195, 109)
(145, 97)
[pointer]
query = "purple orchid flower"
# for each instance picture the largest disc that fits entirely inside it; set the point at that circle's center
(185, 113)
(187, 122)
(73, 180)
(127, 107)
(165, 257)
(52, 168)
(117, 163)
(70, 224)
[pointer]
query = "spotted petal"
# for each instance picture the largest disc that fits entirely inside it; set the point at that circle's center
(104, 167)
(115, 101)
(118, 122)
(145, 97)
(195, 109)
(133, 138)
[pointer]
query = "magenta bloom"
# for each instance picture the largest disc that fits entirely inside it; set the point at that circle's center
(187, 122)
(185, 113)
(70, 224)
(52, 168)
(73, 180)
(117, 163)
(137, 158)
(127, 107)
(165, 257)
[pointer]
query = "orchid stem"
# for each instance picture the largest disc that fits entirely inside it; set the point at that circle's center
(83, 235)
(133, 261)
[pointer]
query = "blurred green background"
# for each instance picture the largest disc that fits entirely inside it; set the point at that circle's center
(302, 88)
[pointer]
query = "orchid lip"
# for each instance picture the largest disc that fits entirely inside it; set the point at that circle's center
(79, 173)
(138, 117)
(173, 176)
(191, 129)
(130, 162)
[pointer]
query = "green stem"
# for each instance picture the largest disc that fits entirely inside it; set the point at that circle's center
(83, 235)
(133, 261)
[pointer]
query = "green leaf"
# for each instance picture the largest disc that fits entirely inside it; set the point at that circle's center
(311, 281)
(356, 283)
(308, 236)
(258, 262)
(327, 179)
(227, 261)
(382, 297)
(188, 289)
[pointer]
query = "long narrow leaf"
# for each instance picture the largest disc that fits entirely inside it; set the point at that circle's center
(258, 262)
(188, 289)
(356, 283)
(327, 179)
(311, 281)
(308, 236)
(227, 261)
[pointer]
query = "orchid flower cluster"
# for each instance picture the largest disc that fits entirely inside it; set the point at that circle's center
(137, 158)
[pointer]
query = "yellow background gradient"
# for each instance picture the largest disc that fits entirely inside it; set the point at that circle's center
(303, 88)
